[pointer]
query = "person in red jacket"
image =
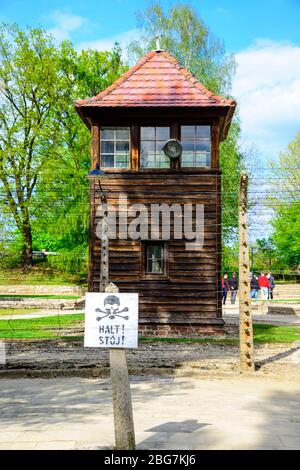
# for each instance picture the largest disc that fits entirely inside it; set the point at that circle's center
(264, 285)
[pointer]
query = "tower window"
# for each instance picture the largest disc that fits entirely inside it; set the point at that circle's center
(152, 142)
(155, 258)
(115, 147)
(196, 146)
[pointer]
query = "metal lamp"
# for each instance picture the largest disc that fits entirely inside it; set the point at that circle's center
(172, 149)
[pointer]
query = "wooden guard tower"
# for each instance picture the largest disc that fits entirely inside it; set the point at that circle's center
(157, 100)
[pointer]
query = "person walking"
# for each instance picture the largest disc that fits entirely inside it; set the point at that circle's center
(264, 286)
(272, 285)
(233, 282)
(254, 286)
(225, 288)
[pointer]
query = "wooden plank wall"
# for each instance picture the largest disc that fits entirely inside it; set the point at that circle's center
(190, 293)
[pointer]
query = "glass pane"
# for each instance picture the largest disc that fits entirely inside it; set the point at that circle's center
(188, 145)
(187, 131)
(147, 154)
(122, 133)
(147, 133)
(203, 145)
(122, 160)
(162, 133)
(187, 159)
(162, 161)
(154, 256)
(107, 133)
(107, 146)
(149, 162)
(122, 146)
(203, 131)
(201, 159)
(147, 147)
(159, 147)
(107, 161)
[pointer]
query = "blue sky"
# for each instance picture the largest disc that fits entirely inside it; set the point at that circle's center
(264, 35)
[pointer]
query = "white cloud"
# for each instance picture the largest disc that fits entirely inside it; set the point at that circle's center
(65, 23)
(107, 43)
(267, 87)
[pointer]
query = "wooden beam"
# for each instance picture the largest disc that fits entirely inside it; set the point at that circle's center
(91, 238)
(246, 328)
(215, 141)
(95, 145)
(175, 134)
(135, 153)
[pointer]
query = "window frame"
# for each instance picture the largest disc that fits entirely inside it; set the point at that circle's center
(115, 140)
(153, 126)
(194, 138)
(144, 260)
(134, 163)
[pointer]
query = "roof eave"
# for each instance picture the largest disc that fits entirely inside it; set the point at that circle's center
(84, 112)
(84, 118)
(227, 122)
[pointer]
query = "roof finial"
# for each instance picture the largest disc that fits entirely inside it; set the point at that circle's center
(158, 42)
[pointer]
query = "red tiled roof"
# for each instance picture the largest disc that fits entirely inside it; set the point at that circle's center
(157, 80)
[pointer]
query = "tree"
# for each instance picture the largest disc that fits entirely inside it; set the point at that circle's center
(63, 227)
(267, 255)
(286, 235)
(44, 148)
(185, 36)
(29, 86)
(286, 204)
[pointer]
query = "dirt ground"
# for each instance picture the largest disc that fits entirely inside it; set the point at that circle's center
(58, 358)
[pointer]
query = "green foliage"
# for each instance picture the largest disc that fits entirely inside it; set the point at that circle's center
(65, 223)
(286, 234)
(29, 84)
(230, 258)
(231, 160)
(41, 274)
(97, 70)
(44, 148)
(286, 223)
(185, 36)
(11, 257)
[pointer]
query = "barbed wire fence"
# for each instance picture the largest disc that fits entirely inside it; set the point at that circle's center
(266, 194)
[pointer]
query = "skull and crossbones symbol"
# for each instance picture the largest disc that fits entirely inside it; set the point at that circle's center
(112, 309)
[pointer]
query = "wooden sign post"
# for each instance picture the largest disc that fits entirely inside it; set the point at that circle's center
(123, 417)
(245, 323)
(111, 321)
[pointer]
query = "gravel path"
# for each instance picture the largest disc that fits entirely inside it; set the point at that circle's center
(188, 359)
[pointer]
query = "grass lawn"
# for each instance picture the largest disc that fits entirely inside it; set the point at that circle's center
(38, 328)
(262, 334)
(29, 296)
(39, 275)
(18, 311)
(276, 334)
(50, 328)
